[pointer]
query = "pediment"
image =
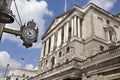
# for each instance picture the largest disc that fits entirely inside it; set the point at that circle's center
(60, 18)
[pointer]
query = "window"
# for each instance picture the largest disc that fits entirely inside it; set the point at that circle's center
(12, 74)
(46, 61)
(67, 60)
(60, 54)
(67, 50)
(53, 61)
(107, 21)
(27, 76)
(101, 48)
(23, 75)
(100, 19)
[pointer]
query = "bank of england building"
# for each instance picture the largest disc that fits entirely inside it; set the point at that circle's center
(81, 44)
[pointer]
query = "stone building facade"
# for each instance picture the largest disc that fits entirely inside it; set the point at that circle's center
(81, 44)
(21, 74)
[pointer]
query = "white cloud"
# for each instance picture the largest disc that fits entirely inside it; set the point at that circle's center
(29, 10)
(6, 59)
(29, 66)
(105, 4)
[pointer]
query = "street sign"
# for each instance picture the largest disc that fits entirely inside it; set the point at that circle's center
(6, 18)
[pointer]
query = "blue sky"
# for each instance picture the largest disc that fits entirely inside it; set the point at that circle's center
(43, 12)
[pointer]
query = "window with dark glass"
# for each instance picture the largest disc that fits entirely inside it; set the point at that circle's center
(60, 54)
(23, 75)
(46, 61)
(107, 21)
(101, 48)
(68, 50)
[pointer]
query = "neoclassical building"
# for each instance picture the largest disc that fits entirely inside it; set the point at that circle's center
(20, 74)
(81, 44)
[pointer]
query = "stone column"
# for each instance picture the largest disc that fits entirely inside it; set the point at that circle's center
(59, 38)
(67, 30)
(42, 50)
(79, 27)
(64, 33)
(47, 47)
(75, 26)
(108, 37)
(72, 28)
(52, 42)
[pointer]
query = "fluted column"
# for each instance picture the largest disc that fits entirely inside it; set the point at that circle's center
(47, 47)
(72, 28)
(59, 38)
(64, 33)
(79, 27)
(42, 50)
(75, 26)
(52, 42)
(67, 30)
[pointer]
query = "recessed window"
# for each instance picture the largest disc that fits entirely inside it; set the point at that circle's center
(107, 21)
(60, 54)
(68, 50)
(46, 61)
(27, 76)
(23, 75)
(67, 60)
(101, 48)
(53, 61)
